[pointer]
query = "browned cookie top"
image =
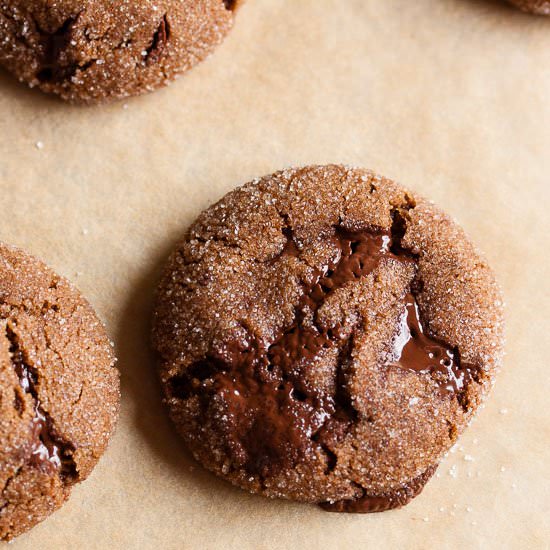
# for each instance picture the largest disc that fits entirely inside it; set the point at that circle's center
(59, 390)
(92, 51)
(324, 336)
(542, 7)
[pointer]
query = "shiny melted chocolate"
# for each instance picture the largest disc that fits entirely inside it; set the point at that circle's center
(44, 451)
(414, 350)
(271, 416)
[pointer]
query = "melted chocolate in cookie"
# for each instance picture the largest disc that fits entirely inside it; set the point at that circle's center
(271, 415)
(45, 451)
(414, 350)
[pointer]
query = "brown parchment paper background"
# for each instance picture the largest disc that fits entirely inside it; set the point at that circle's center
(450, 97)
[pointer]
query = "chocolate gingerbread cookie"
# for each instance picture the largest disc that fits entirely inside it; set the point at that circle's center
(59, 390)
(94, 51)
(541, 7)
(325, 336)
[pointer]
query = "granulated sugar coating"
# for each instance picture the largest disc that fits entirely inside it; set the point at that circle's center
(59, 390)
(541, 7)
(324, 336)
(94, 51)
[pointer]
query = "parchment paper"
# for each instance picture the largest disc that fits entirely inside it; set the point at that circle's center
(450, 97)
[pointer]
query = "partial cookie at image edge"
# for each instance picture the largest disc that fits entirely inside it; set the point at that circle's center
(59, 390)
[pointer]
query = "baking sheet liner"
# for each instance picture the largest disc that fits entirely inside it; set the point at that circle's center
(449, 97)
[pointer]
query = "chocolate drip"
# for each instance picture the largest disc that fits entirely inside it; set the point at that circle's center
(46, 450)
(366, 504)
(414, 350)
(272, 415)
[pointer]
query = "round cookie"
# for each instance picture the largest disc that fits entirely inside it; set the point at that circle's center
(59, 390)
(95, 51)
(324, 336)
(541, 7)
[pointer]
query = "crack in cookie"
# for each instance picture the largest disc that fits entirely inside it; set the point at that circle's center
(46, 450)
(59, 390)
(273, 417)
(159, 42)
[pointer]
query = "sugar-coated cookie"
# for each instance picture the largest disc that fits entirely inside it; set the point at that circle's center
(95, 51)
(324, 336)
(59, 390)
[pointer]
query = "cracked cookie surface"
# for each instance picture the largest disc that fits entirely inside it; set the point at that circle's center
(324, 336)
(96, 51)
(59, 390)
(540, 7)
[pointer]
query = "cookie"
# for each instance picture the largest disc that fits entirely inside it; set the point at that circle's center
(541, 7)
(325, 335)
(59, 390)
(95, 51)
